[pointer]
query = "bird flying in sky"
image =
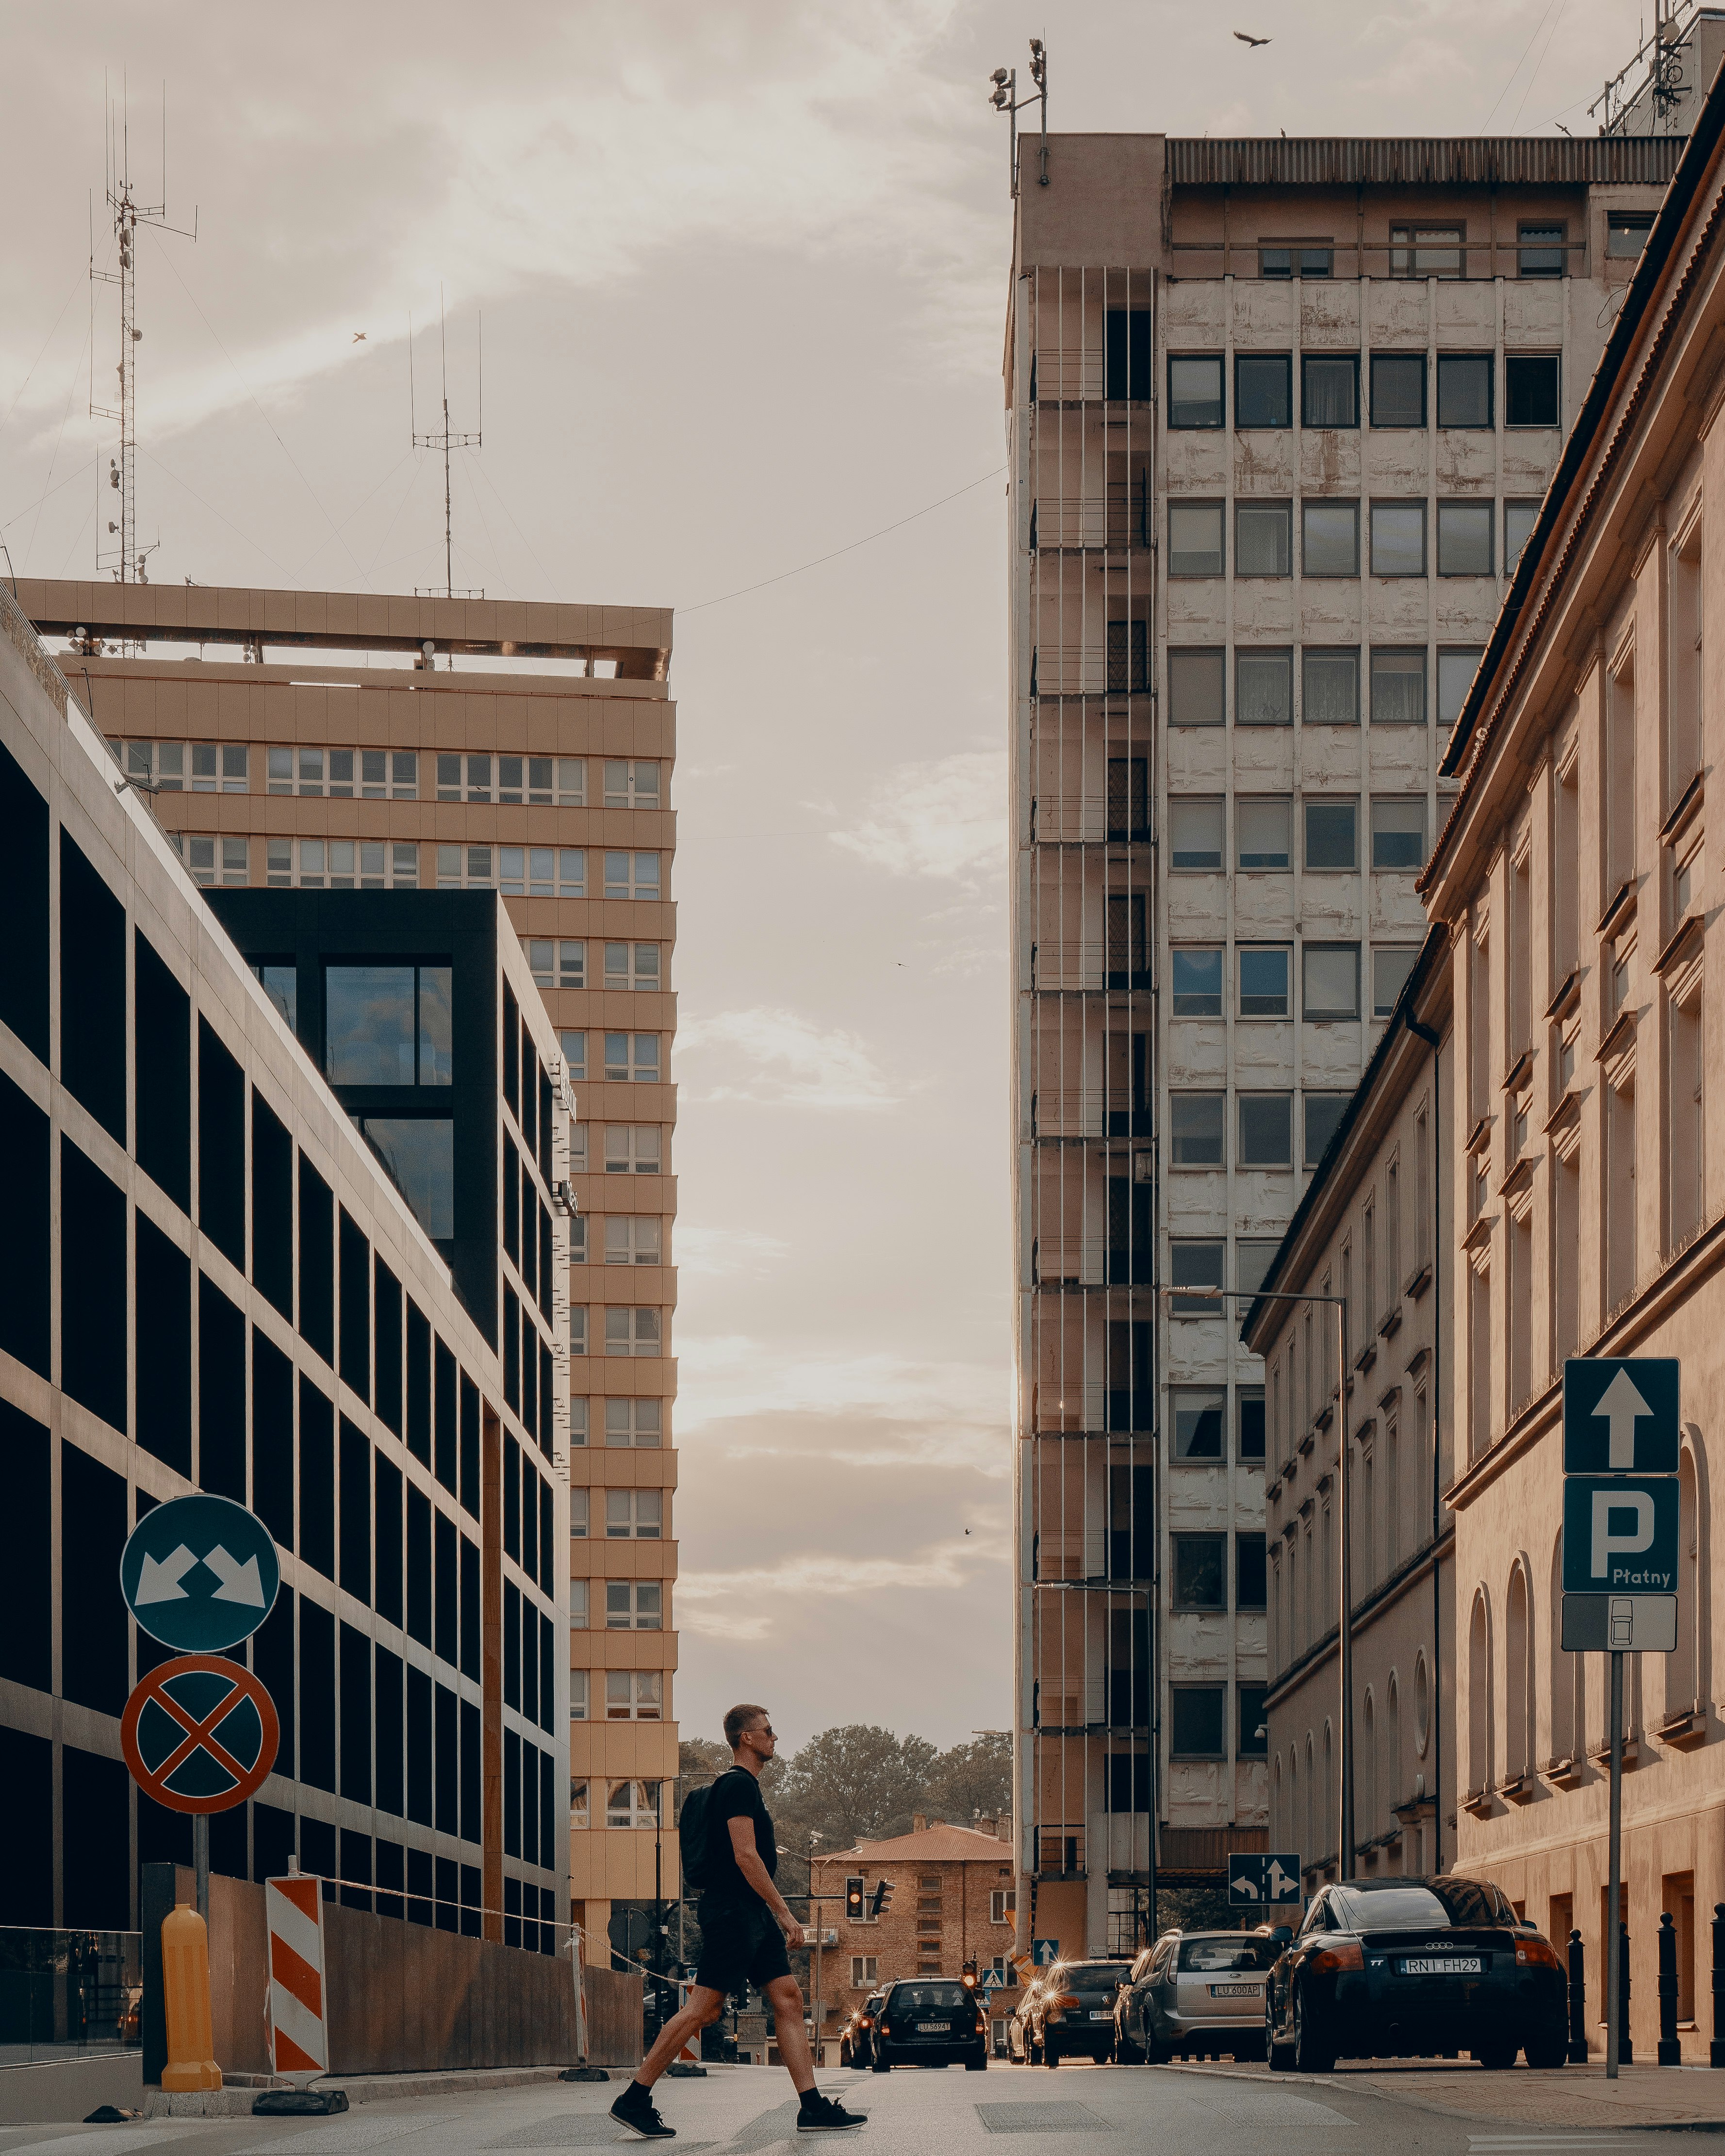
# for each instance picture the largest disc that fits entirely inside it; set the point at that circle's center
(359, 336)
(1245, 40)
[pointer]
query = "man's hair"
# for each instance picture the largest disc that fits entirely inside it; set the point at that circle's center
(737, 1721)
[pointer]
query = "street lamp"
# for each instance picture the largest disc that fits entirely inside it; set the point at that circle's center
(1345, 1624)
(1004, 98)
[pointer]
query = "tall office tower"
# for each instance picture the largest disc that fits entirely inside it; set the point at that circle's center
(320, 739)
(1281, 413)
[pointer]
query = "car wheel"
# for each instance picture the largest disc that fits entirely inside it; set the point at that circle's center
(1311, 2056)
(979, 2065)
(1549, 2049)
(1126, 2053)
(1496, 2056)
(880, 2066)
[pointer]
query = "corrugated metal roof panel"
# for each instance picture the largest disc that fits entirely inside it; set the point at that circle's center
(1438, 160)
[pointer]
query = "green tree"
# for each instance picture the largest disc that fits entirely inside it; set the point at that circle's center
(856, 1783)
(972, 1779)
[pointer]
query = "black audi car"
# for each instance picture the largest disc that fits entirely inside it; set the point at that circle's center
(1414, 1969)
(930, 2021)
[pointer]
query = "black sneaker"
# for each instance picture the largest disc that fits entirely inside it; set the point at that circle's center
(821, 2114)
(634, 2109)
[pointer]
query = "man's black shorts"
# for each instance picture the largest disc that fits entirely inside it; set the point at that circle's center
(740, 1944)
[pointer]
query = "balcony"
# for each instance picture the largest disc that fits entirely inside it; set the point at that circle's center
(1088, 820)
(1059, 1852)
(1114, 523)
(1082, 966)
(1071, 1553)
(1088, 1111)
(1074, 1260)
(1070, 373)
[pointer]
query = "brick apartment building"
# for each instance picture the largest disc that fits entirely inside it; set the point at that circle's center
(952, 1902)
(338, 741)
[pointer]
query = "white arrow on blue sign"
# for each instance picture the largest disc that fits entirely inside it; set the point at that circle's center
(1256, 1879)
(199, 1574)
(1620, 1417)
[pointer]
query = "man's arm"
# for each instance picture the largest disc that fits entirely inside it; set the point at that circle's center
(749, 1864)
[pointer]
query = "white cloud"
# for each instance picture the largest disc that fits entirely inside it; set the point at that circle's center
(727, 1253)
(780, 1057)
(944, 818)
(744, 1604)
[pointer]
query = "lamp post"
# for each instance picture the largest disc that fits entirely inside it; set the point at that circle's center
(1345, 1617)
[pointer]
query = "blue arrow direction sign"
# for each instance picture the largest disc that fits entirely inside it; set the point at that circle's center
(1620, 1418)
(1257, 1879)
(1620, 1534)
(1044, 1953)
(199, 1574)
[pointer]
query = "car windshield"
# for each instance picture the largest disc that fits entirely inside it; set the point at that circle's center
(1229, 1954)
(1418, 1908)
(921, 1998)
(1094, 1975)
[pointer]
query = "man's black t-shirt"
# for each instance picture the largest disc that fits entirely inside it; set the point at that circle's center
(736, 1795)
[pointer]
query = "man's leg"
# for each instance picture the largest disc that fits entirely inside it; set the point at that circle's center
(785, 1997)
(704, 2006)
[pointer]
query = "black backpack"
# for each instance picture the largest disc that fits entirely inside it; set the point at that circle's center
(694, 1839)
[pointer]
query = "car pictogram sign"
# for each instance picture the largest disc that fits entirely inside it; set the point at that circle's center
(199, 1734)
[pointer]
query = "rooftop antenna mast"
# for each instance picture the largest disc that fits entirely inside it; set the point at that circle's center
(446, 441)
(123, 558)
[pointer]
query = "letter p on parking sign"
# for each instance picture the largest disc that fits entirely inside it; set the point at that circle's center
(1620, 1534)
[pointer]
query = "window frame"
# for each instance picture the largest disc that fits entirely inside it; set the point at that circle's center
(1178, 1691)
(1183, 1096)
(1394, 801)
(1320, 801)
(1206, 1544)
(1526, 245)
(1177, 803)
(1179, 504)
(1242, 801)
(1310, 359)
(1254, 505)
(1552, 360)
(1243, 952)
(1320, 502)
(1219, 361)
(1449, 506)
(1182, 1398)
(1308, 652)
(1400, 505)
(1325, 1015)
(1250, 1095)
(1265, 359)
(1180, 692)
(1180, 953)
(1400, 651)
(1261, 654)
(1401, 359)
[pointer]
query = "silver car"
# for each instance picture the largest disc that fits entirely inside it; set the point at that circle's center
(1196, 1995)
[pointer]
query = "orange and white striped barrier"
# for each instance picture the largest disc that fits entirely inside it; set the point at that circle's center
(299, 2028)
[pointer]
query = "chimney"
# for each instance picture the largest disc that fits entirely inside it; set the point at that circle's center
(984, 1823)
(919, 1822)
(1002, 1826)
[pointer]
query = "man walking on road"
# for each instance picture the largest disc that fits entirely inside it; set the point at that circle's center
(745, 1929)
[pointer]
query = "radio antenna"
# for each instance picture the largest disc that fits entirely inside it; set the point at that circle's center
(446, 439)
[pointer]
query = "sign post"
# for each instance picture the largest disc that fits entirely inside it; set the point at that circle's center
(1621, 1439)
(1257, 1881)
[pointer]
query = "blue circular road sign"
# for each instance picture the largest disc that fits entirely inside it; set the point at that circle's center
(199, 1574)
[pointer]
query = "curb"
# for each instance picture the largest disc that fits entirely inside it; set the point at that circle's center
(236, 2102)
(1422, 2103)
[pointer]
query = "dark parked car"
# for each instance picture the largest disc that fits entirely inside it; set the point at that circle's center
(1196, 1995)
(1072, 2015)
(930, 2021)
(856, 2039)
(1414, 1969)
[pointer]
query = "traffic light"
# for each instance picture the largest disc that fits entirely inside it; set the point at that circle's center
(968, 1978)
(853, 1900)
(883, 1895)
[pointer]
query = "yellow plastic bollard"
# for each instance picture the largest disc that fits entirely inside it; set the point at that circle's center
(185, 1990)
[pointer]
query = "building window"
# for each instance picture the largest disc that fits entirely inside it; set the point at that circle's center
(1264, 689)
(578, 1694)
(635, 1605)
(632, 1804)
(1267, 1130)
(1264, 971)
(632, 1149)
(1195, 834)
(580, 1508)
(580, 1816)
(1530, 389)
(1195, 1721)
(1263, 390)
(1291, 261)
(631, 783)
(633, 1332)
(1464, 389)
(1329, 389)
(632, 966)
(1329, 538)
(213, 861)
(633, 1056)
(1456, 666)
(1399, 831)
(1426, 250)
(1398, 538)
(1331, 976)
(632, 875)
(1197, 1422)
(387, 1025)
(1200, 1572)
(1261, 827)
(1195, 1129)
(866, 1969)
(1329, 687)
(635, 1423)
(1194, 391)
(578, 1605)
(1540, 250)
(1263, 539)
(572, 782)
(1518, 521)
(634, 1694)
(1391, 965)
(1196, 1262)
(634, 1239)
(419, 1156)
(1323, 1117)
(577, 1330)
(635, 1515)
(1464, 538)
(1195, 538)
(1626, 231)
(1196, 979)
(1249, 1572)
(1002, 1905)
(1254, 1741)
(1249, 1400)
(1398, 388)
(1331, 834)
(281, 984)
(1398, 688)
(1195, 687)
(573, 1045)
(1128, 657)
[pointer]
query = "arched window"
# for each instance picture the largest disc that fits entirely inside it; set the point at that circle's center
(1518, 1676)
(1479, 1698)
(1565, 1736)
(1394, 1789)
(1365, 1823)
(1422, 1704)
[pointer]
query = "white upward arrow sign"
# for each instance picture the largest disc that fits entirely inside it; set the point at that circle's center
(1619, 1404)
(161, 1582)
(240, 1583)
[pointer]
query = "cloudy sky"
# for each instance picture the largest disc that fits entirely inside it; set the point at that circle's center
(741, 267)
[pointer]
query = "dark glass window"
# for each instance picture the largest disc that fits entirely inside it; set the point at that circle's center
(386, 1336)
(162, 1074)
(391, 1783)
(272, 1208)
(317, 1479)
(1530, 389)
(1329, 389)
(1267, 1130)
(1264, 970)
(418, 1153)
(92, 987)
(25, 1279)
(1263, 539)
(356, 1727)
(1264, 689)
(355, 1307)
(388, 1539)
(1398, 388)
(387, 1025)
(1323, 1116)
(1248, 1572)
(161, 1297)
(1195, 1126)
(93, 1288)
(355, 1511)
(1194, 391)
(93, 1531)
(1329, 687)
(1196, 1262)
(1254, 1738)
(221, 1393)
(1540, 252)
(1331, 834)
(272, 1437)
(1248, 1416)
(1197, 982)
(221, 1145)
(23, 907)
(1128, 355)
(1195, 1714)
(1463, 389)
(1263, 390)
(318, 1696)
(317, 1262)
(1200, 1572)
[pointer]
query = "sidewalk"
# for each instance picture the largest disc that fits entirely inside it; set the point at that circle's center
(1677, 2099)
